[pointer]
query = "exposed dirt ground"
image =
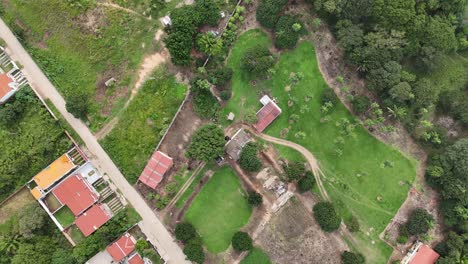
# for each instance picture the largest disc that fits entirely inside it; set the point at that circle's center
(13, 204)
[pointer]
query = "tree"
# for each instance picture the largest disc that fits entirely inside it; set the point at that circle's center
(141, 245)
(62, 256)
(255, 199)
(268, 10)
(401, 92)
(194, 252)
(419, 221)
(361, 104)
(31, 218)
(257, 60)
(294, 170)
(352, 258)
(185, 232)
(328, 95)
(221, 76)
(306, 183)
(383, 78)
(326, 216)
(207, 143)
(241, 241)
(425, 93)
(156, 6)
(210, 44)
(440, 34)
(350, 36)
(248, 159)
(208, 11)
(285, 35)
(77, 105)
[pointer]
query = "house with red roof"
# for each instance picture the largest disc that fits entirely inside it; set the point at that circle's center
(76, 193)
(121, 248)
(11, 81)
(420, 254)
(267, 114)
(155, 169)
(135, 259)
(93, 218)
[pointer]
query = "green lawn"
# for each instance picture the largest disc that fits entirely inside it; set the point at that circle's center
(75, 234)
(79, 52)
(256, 256)
(141, 126)
(358, 181)
(64, 216)
(219, 210)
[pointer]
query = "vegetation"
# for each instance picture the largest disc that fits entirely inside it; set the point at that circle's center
(257, 60)
(207, 143)
(419, 222)
(204, 103)
(294, 170)
(361, 104)
(255, 199)
(286, 32)
(219, 210)
(326, 216)
(248, 159)
(194, 252)
(185, 232)
(306, 183)
(31, 140)
(241, 241)
(79, 57)
(256, 256)
(193, 249)
(143, 123)
(268, 10)
(352, 258)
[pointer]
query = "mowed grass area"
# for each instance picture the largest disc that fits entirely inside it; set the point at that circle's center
(64, 216)
(80, 49)
(256, 256)
(143, 123)
(369, 180)
(219, 210)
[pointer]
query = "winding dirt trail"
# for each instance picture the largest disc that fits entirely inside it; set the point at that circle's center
(116, 6)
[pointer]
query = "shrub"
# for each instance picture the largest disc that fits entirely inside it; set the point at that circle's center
(207, 143)
(257, 60)
(352, 258)
(360, 104)
(352, 224)
(294, 170)
(255, 199)
(326, 216)
(185, 232)
(141, 245)
(328, 95)
(221, 76)
(248, 159)
(226, 95)
(267, 12)
(306, 183)
(402, 239)
(77, 105)
(241, 241)
(285, 35)
(194, 252)
(419, 222)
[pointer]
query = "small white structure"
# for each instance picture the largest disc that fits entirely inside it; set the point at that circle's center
(231, 116)
(166, 21)
(110, 82)
(223, 15)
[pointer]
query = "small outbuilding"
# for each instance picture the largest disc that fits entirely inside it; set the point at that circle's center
(238, 141)
(154, 171)
(420, 254)
(267, 114)
(166, 21)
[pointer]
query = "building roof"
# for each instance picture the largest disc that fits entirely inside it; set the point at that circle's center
(237, 142)
(266, 115)
(122, 247)
(75, 193)
(5, 87)
(92, 219)
(154, 171)
(56, 170)
(425, 255)
(36, 193)
(135, 259)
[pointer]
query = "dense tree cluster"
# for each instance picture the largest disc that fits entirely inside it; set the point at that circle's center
(241, 241)
(294, 170)
(287, 32)
(352, 258)
(204, 103)
(326, 216)
(193, 249)
(257, 61)
(419, 222)
(207, 143)
(248, 159)
(268, 11)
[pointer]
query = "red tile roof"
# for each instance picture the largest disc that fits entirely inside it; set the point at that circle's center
(135, 259)
(154, 171)
(75, 193)
(425, 255)
(122, 247)
(4, 81)
(266, 115)
(92, 219)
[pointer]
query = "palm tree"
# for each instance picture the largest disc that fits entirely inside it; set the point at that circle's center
(210, 44)
(9, 243)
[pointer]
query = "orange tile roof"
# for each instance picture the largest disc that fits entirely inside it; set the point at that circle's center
(4, 81)
(122, 247)
(135, 259)
(36, 193)
(425, 255)
(54, 172)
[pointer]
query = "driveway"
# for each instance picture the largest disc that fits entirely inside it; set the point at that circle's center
(151, 226)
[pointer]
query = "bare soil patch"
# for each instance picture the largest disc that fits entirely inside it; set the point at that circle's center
(15, 203)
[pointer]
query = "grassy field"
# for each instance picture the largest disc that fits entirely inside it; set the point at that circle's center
(29, 143)
(80, 49)
(219, 210)
(141, 126)
(365, 180)
(256, 256)
(64, 216)
(183, 198)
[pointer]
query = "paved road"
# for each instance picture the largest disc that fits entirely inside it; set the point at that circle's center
(151, 226)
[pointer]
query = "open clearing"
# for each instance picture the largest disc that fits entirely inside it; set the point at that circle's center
(219, 210)
(369, 179)
(80, 49)
(143, 123)
(11, 206)
(256, 256)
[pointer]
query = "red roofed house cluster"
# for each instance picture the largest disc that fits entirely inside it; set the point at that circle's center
(11, 81)
(124, 248)
(75, 193)
(269, 112)
(154, 171)
(93, 219)
(420, 254)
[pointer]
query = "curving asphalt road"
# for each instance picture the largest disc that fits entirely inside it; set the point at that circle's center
(151, 225)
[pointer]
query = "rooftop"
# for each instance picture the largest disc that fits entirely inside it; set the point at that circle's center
(92, 219)
(424, 255)
(269, 112)
(75, 193)
(5, 87)
(56, 170)
(135, 259)
(122, 247)
(154, 171)
(237, 142)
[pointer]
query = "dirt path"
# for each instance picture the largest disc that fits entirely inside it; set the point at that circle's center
(116, 6)
(185, 187)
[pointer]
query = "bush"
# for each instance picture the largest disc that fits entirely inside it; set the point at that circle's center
(352, 258)
(226, 95)
(185, 232)
(306, 183)
(360, 104)
(294, 170)
(257, 60)
(267, 12)
(402, 239)
(194, 252)
(207, 143)
(248, 159)
(285, 35)
(77, 105)
(255, 199)
(326, 216)
(221, 76)
(328, 95)
(352, 224)
(419, 222)
(241, 241)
